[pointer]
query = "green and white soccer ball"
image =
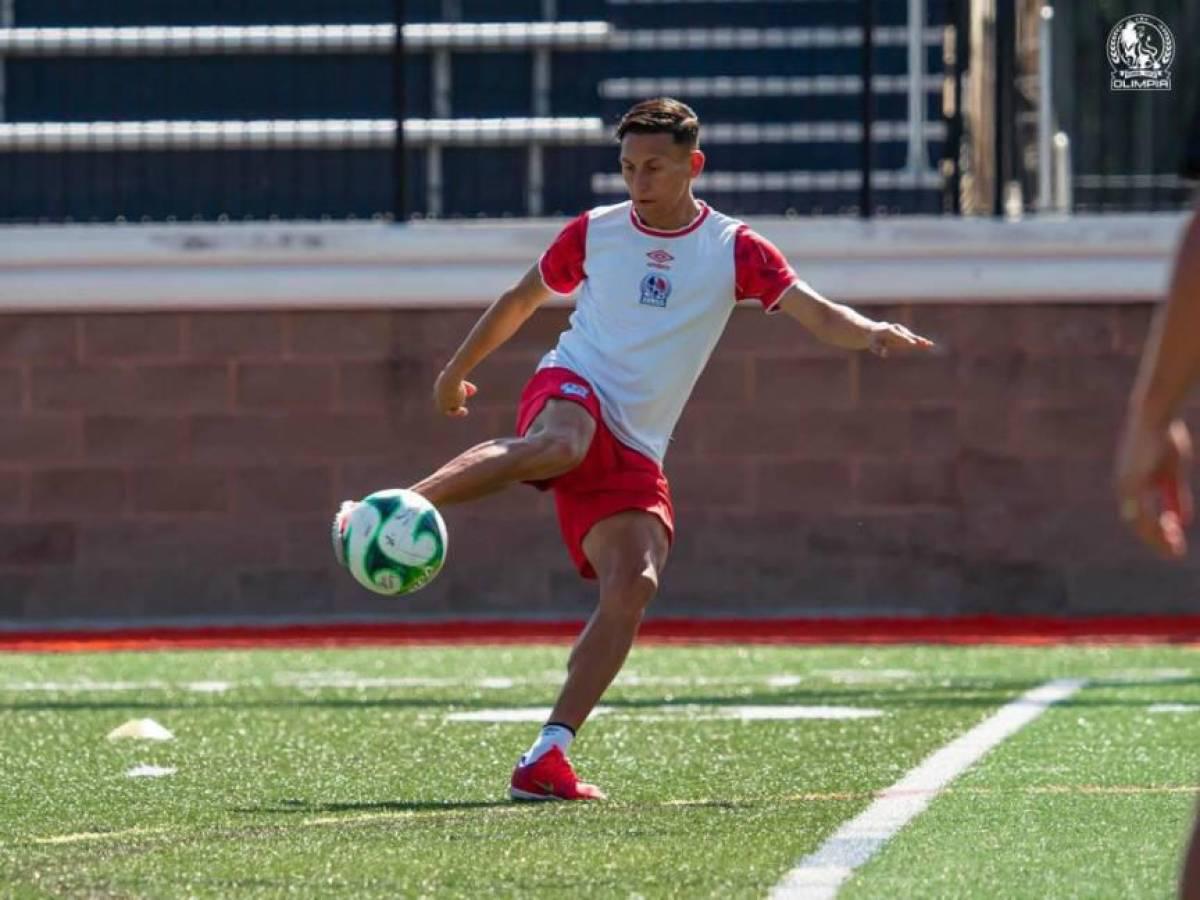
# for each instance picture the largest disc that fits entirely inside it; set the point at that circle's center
(393, 543)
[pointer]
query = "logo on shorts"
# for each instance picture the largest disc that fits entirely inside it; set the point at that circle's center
(1140, 51)
(574, 390)
(656, 289)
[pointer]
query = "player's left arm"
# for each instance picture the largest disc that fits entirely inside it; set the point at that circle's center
(841, 326)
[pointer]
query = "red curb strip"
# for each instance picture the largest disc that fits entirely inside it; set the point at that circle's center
(1020, 630)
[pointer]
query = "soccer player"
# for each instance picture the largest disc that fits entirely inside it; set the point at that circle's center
(1155, 450)
(658, 277)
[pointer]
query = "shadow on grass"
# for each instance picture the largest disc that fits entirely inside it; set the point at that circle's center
(311, 808)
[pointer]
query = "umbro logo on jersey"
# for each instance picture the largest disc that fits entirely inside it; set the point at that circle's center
(659, 258)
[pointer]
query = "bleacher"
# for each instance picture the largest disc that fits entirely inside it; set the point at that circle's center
(510, 126)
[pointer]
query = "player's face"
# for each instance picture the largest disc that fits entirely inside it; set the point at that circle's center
(657, 171)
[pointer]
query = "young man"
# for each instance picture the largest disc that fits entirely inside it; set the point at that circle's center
(1154, 452)
(660, 276)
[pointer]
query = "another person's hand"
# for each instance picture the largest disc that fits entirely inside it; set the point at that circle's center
(888, 336)
(450, 394)
(1154, 496)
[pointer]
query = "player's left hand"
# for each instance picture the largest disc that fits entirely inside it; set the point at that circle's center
(888, 336)
(1154, 496)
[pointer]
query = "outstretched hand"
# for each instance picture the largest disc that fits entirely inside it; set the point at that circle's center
(1154, 496)
(450, 395)
(888, 336)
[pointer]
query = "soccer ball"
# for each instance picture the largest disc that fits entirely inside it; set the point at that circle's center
(393, 542)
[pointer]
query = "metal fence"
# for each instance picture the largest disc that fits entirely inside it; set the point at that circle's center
(109, 114)
(459, 108)
(1126, 146)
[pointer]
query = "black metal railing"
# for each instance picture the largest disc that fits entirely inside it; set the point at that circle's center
(1126, 146)
(807, 109)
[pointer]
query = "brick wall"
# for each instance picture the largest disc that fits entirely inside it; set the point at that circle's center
(186, 465)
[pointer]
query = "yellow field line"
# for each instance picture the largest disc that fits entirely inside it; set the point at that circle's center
(83, 836)
(1121, 790)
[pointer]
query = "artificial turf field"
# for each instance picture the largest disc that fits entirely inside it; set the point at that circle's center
(379, 772)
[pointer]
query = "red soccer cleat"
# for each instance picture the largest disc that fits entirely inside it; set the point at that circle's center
(340, 521)
(550, 778)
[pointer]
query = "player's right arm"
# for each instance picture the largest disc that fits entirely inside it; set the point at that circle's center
(1154, 452)
(559, 271)
(501, 321)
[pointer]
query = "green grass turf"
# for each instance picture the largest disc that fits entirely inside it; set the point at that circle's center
(1091, 800)
(293, 785)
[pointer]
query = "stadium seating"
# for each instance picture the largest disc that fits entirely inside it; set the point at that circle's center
(776, 82)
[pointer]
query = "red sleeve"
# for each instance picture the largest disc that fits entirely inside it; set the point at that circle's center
(760, 271)
(562, 263)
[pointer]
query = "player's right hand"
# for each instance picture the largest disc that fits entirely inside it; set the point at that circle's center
(1152, 480)
(450, 394)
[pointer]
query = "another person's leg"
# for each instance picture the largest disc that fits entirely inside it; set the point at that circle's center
(1189, 882)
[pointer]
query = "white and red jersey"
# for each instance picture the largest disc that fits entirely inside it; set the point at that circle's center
(652, 306)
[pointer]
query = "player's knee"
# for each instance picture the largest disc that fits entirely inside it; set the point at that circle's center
(628, 590)
(559, 451)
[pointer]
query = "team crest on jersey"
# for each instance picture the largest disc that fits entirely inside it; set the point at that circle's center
(656, 288)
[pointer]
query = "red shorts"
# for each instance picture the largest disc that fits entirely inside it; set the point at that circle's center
(612, 477)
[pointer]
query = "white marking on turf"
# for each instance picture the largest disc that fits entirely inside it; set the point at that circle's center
(150, 771)
(865, 676)
(696, 712)
(67, 687)
(747, 713)
(689, 711)
(140, 730)
(338, 680)
(83, 836)
(348, 680)
(496, 684)
(822, 873)
(784, 680)
(1174, 708)
(318, 680)
(1150, 676)
(208, 687)
(522, 714)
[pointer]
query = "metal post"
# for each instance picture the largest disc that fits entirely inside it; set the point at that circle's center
(1045, 110)
(399, 104)
(535, 165)
(442, 87)
(7, 17)
(962, 47)
(1064, 187)
(1002, 101)
(916, 88)
(441, 110)
(865, 200)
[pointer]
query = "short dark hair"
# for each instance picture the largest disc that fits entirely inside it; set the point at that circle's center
(662, 115)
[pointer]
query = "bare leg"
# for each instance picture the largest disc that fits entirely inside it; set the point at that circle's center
(556, 442)
(628, 552)
(1189, 883)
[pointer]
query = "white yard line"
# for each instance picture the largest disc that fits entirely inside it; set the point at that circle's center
(316, 681)
(822, 873)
